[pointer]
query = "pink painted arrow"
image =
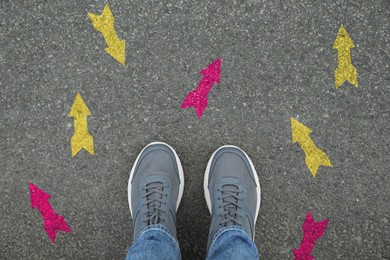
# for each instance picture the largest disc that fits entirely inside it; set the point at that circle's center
(312, 231)
(52, 221)
(198, 97)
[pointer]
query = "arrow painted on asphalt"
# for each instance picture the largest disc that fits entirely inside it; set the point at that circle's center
(52, 221)
(345, 70)
(81, 137)
(198, 98)
(311, 232)
(104, 23)
(315, 157)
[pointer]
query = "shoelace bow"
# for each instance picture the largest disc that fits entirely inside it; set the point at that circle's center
(154, 193)
(230, 200)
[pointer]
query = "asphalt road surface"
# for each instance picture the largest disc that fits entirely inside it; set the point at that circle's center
(277, 63)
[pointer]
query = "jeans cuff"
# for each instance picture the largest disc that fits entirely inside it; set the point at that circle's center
(156, 227)
(226, 229)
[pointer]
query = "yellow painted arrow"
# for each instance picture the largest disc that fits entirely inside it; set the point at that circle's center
(81, 137)
(315, 157)
(345, 70)
(104, 23)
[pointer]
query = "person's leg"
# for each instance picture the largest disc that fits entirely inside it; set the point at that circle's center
(232, 192)
(154, 242)
(155, 189)
(232, 243)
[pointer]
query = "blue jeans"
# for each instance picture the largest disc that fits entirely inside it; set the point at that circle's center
(155, 242)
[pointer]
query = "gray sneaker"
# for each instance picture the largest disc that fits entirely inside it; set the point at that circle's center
(232, 191)
(155, 188)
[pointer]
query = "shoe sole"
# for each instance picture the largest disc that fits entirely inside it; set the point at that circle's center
(179, 167)
(206, 183)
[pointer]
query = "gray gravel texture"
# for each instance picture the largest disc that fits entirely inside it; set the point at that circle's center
(277, 63)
